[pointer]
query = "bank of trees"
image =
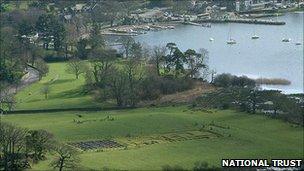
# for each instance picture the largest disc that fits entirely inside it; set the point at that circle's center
(242, 94)
(142, 73)
(21, 148)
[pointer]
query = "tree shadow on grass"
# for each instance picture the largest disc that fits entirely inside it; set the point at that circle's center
(61, 81)
(74, 93)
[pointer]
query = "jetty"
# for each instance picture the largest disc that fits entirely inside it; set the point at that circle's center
(191, 23)
(246, 21)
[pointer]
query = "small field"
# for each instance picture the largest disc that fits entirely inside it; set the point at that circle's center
(154, 137)
(65, 91)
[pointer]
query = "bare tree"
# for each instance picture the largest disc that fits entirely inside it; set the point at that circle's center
(74, 29)
(11, 146)
(102, 62)
(158, 55)
(75, 66)
(134, 71)
(137, 50)
(38, 142)
(7, 100)
(118, 88)
(126, 44)
(67, 157)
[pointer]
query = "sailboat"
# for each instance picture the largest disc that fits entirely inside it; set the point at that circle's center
(255, 36)
(286, 40)
(230, 40)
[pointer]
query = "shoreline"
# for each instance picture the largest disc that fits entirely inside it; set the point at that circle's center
(134, 30)
(137, 29)
(245, 21)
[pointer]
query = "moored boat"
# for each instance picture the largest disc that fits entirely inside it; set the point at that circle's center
(255, 37)
(231, 42)
(286, 40)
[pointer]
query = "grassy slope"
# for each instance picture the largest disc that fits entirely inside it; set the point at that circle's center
(65, 91)
(253, 136)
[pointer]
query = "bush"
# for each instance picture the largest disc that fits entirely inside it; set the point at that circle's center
(228, 80)
(169, 85)
(153, 86)
(53, 56)
(223, 80)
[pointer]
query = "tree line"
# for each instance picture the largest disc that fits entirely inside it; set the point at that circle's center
(242, 93)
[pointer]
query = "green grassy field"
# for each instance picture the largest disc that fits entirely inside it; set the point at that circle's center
(180, 136)
(248, 136)
(65, 91)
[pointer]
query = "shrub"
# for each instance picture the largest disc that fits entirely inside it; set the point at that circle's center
(223, 80)
(53, 56)
(153, 86)
(228, 80)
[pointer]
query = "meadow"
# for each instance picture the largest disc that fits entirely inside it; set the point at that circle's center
(152, 136)
(248, 136)
(64, 91)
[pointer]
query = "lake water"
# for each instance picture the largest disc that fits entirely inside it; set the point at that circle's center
(267, 57)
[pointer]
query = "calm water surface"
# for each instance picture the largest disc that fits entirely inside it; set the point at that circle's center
(267, 57)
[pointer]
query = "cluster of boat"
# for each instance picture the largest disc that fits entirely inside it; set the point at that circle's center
(141, 29)
(232, 41)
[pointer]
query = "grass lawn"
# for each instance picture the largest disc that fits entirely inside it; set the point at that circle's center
(65, 91)
(248, 136)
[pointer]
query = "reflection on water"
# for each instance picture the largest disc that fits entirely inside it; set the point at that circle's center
(266, 57)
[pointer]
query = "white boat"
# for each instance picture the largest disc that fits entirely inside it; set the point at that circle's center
(231, 41)
(171, 27)
(211, 39)
(286, 40)
(255, 37)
